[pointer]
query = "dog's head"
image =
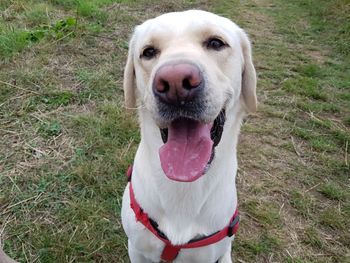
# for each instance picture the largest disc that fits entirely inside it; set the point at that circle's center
(189, 70)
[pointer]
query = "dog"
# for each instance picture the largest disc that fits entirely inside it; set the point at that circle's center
(191, 78)
(5, 258)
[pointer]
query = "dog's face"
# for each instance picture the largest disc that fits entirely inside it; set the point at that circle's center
(188, 70)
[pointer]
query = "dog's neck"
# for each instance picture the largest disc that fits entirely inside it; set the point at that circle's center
(184, 210)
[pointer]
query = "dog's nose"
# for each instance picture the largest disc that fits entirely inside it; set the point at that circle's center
(177, 83)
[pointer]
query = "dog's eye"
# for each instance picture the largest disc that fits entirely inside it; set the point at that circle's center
(149, 52)
(215, 44)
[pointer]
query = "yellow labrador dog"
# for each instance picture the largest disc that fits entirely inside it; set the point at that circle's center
(4, 258)
(191, 77)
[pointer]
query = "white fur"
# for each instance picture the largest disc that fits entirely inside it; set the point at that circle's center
(186, 210)
(5, 258)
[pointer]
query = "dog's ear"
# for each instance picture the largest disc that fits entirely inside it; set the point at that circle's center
(129, 84)
(248, 91)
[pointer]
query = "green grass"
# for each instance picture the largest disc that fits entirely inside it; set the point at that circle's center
(333, 191)
(303, 203)
(12, 41)
(67, 140)
(266, 213)
(333, 218)
(254, 248)
(304, 86)
(37, 14)
(313, 238)
(50, 129)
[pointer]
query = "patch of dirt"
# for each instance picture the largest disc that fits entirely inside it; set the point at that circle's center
(317, 55)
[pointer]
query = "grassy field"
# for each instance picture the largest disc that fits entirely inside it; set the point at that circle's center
(66, 139)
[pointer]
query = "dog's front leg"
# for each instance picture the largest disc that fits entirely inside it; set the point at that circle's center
(135, 256)
(5, 258)
(227, 257)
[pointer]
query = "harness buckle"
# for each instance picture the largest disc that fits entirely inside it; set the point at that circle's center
(231, 228)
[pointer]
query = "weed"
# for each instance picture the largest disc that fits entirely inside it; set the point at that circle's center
(49, 129)
(14, 40)
(52, 99)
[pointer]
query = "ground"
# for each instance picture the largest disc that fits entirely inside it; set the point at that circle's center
(67, 140)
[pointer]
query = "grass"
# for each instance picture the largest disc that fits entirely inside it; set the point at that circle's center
(67, 140)
(333, 191)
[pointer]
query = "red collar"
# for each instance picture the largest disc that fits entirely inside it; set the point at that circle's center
(171, 251)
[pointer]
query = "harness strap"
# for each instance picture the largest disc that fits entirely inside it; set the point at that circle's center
(171, 251)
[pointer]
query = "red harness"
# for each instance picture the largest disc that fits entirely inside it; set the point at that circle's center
(171, 251)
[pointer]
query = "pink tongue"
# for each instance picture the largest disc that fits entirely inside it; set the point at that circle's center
(187, 151)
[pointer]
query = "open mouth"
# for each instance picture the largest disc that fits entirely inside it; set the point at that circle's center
(189, 147)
